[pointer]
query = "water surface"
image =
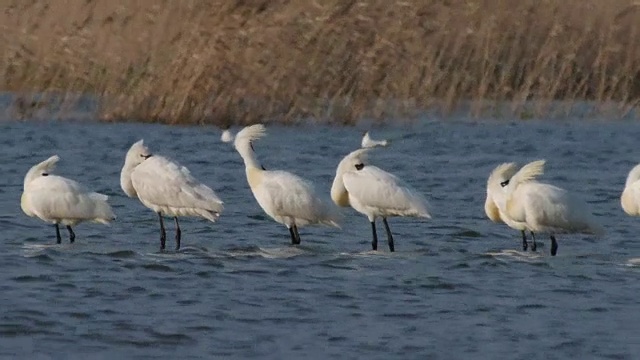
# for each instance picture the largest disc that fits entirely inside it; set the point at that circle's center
(457, 288)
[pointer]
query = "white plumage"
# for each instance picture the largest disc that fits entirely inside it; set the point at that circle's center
(546, 208)
(495, 203)
(630, 198)
(59, 200)
(286, 198)
(368, 142)
(375, 193)
(227, 136)
(167, 188)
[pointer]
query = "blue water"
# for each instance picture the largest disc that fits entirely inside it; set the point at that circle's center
(457, 287)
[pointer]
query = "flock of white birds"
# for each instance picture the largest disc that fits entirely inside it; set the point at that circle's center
(514, 196)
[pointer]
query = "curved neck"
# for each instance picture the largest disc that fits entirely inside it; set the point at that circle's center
(43, 168)
(125, 180)
(248, 155)
(339, 193)
(498, 196)
(634, 175)
(33, 173)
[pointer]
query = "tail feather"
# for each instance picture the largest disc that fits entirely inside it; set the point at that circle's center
(98, 196)
(332, 216)
(102, 211)
(209, 215)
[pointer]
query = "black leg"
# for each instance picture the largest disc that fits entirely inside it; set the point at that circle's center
(297, 234)
(178, 234)
(524, 241)
(389, 236)
(163, 234)
(554, 246)
(534, 246)
(72, 235)
(374, 243)
(293, 236)
(58, 238)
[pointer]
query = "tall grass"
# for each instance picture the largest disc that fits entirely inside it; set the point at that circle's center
(238, 61)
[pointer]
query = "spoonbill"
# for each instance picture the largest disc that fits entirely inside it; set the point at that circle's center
(630, 199)
(368, 142)
(167, 188)
(375, 193)
(58, 200)
(285, 197)
(495, 203)
(227, 136)
(546, 208)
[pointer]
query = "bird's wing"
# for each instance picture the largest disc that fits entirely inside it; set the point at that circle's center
(163, 182)
(556, 210)
(289, 195)
(375, 187)
(56, 197)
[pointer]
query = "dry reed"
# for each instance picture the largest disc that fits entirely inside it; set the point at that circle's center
(240, 61)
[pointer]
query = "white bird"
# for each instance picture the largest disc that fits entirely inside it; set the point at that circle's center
(630, 199)
(59, 200)
(546, 208)
(495, 203)
(227, 136)
(167, 188)
(375, 193)
(286, 198)
(367, 142)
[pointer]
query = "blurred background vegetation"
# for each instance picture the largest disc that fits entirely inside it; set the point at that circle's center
(241, 61)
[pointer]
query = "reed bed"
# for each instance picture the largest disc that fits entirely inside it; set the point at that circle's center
(239, 61)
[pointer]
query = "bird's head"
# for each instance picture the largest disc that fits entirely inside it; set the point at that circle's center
(42, 169)
(137, 154)
(246, 136)
(355, 161)
(500, 176)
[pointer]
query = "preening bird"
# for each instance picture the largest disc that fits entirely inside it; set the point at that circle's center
(367, 142)
(375, 193)
(545, 208)
(495, 203)
(167, 188)
(285, 197)
(59, 200)
(630, 199)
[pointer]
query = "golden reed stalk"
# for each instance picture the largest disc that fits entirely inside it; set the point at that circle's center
(241, 61)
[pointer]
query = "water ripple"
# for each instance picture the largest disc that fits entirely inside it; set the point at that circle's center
(458, 286)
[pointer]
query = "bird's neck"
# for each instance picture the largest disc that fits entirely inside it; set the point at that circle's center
(29, 178)
(634, 175)
(339, 193)
(249, 156)
(254, 176)
(125, 180)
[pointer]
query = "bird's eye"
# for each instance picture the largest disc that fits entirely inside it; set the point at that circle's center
(504, 183)
(45, 174)
(145, 156)
(359, 166)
